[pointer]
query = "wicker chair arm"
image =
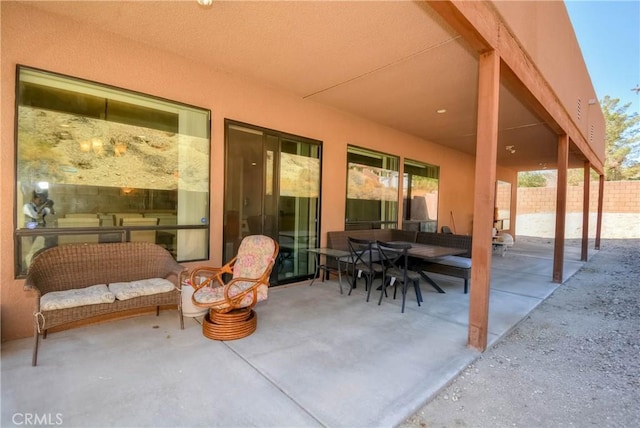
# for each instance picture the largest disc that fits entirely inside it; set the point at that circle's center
(227, 286)
(234, 301)
(215, 275)
(174, 267)
(29, 285)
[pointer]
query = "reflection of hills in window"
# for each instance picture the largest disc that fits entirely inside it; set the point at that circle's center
(69, 149)
(299, 176)
(371, 183)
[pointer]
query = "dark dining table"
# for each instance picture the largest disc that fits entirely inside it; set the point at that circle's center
(430, 254)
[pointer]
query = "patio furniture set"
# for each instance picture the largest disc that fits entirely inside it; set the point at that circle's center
(76, 282)
(447, 254)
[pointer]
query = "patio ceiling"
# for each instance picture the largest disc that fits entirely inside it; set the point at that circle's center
(395, 63)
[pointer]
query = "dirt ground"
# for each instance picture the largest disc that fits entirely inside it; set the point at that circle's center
(573, 362)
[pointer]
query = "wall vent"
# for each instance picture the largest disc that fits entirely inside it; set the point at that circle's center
(579, 110)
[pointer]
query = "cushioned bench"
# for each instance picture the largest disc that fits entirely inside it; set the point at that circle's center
(80, 281)
(456, 266)
(339, 240)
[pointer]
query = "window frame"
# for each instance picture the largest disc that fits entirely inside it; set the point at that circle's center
(387, 161)
(423, 225)
(193, 126)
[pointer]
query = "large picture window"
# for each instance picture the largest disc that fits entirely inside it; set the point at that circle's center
(372, 190)
(96, 163)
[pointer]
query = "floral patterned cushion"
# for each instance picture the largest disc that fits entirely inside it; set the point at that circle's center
(253, 259)
(144, 287)
(254, 255)
(92, 295)
(213, 297)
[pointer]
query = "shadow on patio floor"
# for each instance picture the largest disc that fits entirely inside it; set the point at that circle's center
(318, 358)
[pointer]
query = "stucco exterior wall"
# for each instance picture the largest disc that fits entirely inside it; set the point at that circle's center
(539, 25)
(30, 37)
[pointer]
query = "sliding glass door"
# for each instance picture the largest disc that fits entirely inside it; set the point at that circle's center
(272, 187)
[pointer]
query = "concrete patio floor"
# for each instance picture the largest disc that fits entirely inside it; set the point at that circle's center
(318, 358)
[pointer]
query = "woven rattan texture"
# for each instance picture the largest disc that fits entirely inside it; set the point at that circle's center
(446, 240)
(231, 325)
(77, 266)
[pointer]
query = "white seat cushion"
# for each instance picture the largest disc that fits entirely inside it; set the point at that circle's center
(455, 261)
(91, 295)
(143, 287)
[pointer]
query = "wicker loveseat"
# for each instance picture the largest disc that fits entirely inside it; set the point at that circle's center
(80, 281)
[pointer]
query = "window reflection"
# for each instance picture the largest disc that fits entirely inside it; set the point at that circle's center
(372, 190)
(420, 198)
(125, 159)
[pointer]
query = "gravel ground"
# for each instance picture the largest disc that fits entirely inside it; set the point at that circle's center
(575, 361)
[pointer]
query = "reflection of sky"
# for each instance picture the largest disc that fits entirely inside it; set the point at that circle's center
(390, 179)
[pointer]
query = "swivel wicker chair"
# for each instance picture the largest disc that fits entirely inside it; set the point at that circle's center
(231, 303)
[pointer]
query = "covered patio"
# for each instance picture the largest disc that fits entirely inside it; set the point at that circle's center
(318, 358)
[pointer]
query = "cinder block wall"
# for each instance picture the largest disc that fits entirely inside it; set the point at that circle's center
(619, 197)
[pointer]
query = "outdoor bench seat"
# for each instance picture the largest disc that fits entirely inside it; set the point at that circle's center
(77, 282)
(454, 261)
(457, 266)
(339, 240)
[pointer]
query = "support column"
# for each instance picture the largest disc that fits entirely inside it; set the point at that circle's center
(484, 199)
(561, 208)
(599, 216)
(584, 254)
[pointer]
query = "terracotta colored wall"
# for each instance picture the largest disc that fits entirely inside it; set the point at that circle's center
(43, 41)
(618, 197)
(539, 25)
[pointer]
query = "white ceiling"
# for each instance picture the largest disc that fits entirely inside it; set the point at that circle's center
(393, 62)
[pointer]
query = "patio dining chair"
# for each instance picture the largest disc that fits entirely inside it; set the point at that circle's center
(231, 301)
(364, 262)
(395, 261)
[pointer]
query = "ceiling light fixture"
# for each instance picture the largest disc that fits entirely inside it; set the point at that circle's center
(205, 3)
(510, 149)
(442, 110)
